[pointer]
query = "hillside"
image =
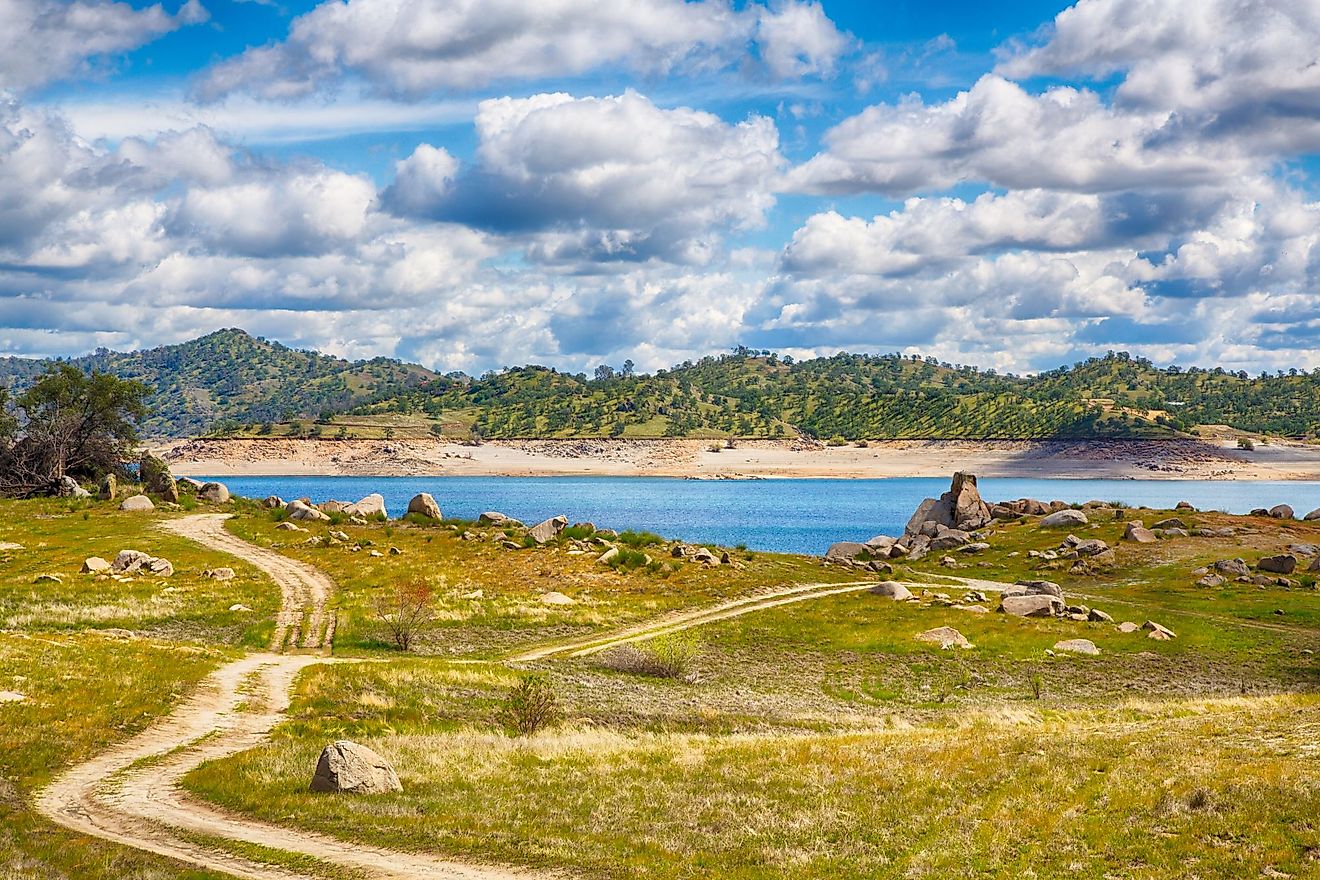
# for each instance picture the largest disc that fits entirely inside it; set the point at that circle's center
(230, 383)
(232, 377)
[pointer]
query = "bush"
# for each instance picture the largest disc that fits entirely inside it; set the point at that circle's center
(577, 533)
(836, 440)
(1246, 443)
(407, 610)
(530, 705)
(627, 559)
(640, 539)
(666, 656)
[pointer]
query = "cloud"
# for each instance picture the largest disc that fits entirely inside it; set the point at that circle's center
(413, 48)
(997, 133)
(43, 40)
(1249, 69)
(608, 179)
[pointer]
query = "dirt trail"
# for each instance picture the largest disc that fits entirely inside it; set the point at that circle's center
(302, 621)
(131, 794)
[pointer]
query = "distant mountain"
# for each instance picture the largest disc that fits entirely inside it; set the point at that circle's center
(229, 379)
(229, 376)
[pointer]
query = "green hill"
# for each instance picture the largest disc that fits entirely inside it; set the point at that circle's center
(231, 377)
(230, 382)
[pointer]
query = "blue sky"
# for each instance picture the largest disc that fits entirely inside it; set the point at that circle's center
(480, 184)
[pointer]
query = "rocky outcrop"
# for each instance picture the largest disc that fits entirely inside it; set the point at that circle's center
(303, 512)
(423, 504)
(156, 478)
(960, 508)
(131, 561)
(349, 768)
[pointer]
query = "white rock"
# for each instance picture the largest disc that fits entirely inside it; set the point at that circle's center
(137, 504)
(349, 768)
(555, 598)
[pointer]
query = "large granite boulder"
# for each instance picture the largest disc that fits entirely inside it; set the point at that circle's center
(137, 504)
(843, 552)
(1281, 511)
(944, 636)
(1066, 518)
(1135, 531)
(960, 508)
(546, 531)
(156, 478)
(892, 590)
(1282, 563)
(423, 504)
(349, 768)
(1232, 567)
(68, 487)
(215, 493)
(1032, 606)
(301, 511)
(372, 505)
(1077, 646)
(108, 489)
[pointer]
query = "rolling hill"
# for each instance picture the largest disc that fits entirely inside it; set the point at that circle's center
(232, 383)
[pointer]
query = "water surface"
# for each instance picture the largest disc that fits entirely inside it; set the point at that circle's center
(793, 516)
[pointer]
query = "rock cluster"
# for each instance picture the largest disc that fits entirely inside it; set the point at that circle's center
(960, 508)
(131, 561)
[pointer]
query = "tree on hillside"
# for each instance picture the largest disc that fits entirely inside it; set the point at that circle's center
(68, 423)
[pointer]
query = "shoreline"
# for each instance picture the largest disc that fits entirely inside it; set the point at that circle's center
(748, 459)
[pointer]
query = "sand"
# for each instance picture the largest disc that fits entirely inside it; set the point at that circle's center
(1208, 460)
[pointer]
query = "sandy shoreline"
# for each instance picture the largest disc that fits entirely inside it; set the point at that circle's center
(1189, 460)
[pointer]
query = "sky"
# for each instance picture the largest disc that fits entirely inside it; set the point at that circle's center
(474, 184)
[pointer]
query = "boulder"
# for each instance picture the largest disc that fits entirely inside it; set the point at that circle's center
(1212, 580)
(1095, 615)
(944, 636)
(892, 590)
(161, 567)
(960, 508)
(1313, 515)
(130, 560)
(1171, 523)
(1090, 547)
(156, 478)
(555, 598)
(348, 768)
(289, 527)
(220, 574)
(1232, 567)
(843, 552)
(880, 544)
(423, 504)
(1304, 549)
(1032, 606)
(1172, 533)
(109, 488)
(48, 579)
(1158, 632)
(1064, 519)
(372, 505)
(137, 504)
(215, 493)
(301, 511)
(608, 556)
(94, 565)
(704, 556)
(1184, 505)
(1281, 511)
(1128, 626)
(1138, 533)
(1077, 646)
(494, 518)
(947, 539)
(1040, 588)
(272, 502)
(548, 530)
(974, 547)
(1282, 563)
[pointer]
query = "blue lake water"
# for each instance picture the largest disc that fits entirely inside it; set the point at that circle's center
(792, 516)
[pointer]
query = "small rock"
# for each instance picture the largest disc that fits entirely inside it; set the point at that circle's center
(608, 556)
(289, 527)
(892, 590)
(11, 697)
(1128, 626)
(219, 574)
(239, 608)
(48, 579)
(1077, 646)
(94, 565)
(1095, 615)
(556, 598)
(944, 636)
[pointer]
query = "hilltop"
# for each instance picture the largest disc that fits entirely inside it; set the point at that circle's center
(232, 384)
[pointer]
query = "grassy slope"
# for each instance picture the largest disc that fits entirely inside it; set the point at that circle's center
(98, 660)
(821, 740)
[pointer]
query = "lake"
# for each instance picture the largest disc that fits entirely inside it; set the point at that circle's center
(791, 516)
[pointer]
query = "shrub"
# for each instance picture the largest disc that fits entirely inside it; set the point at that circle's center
(1037, 686)
(640, 539)
(406, 610)
(666, 656)
(836, 440)
(627, 559)
(578, 533)
(530, 705)
(715, 447)
(1246, 443)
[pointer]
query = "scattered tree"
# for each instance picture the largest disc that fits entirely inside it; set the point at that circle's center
(406, 610)
(530, 705)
